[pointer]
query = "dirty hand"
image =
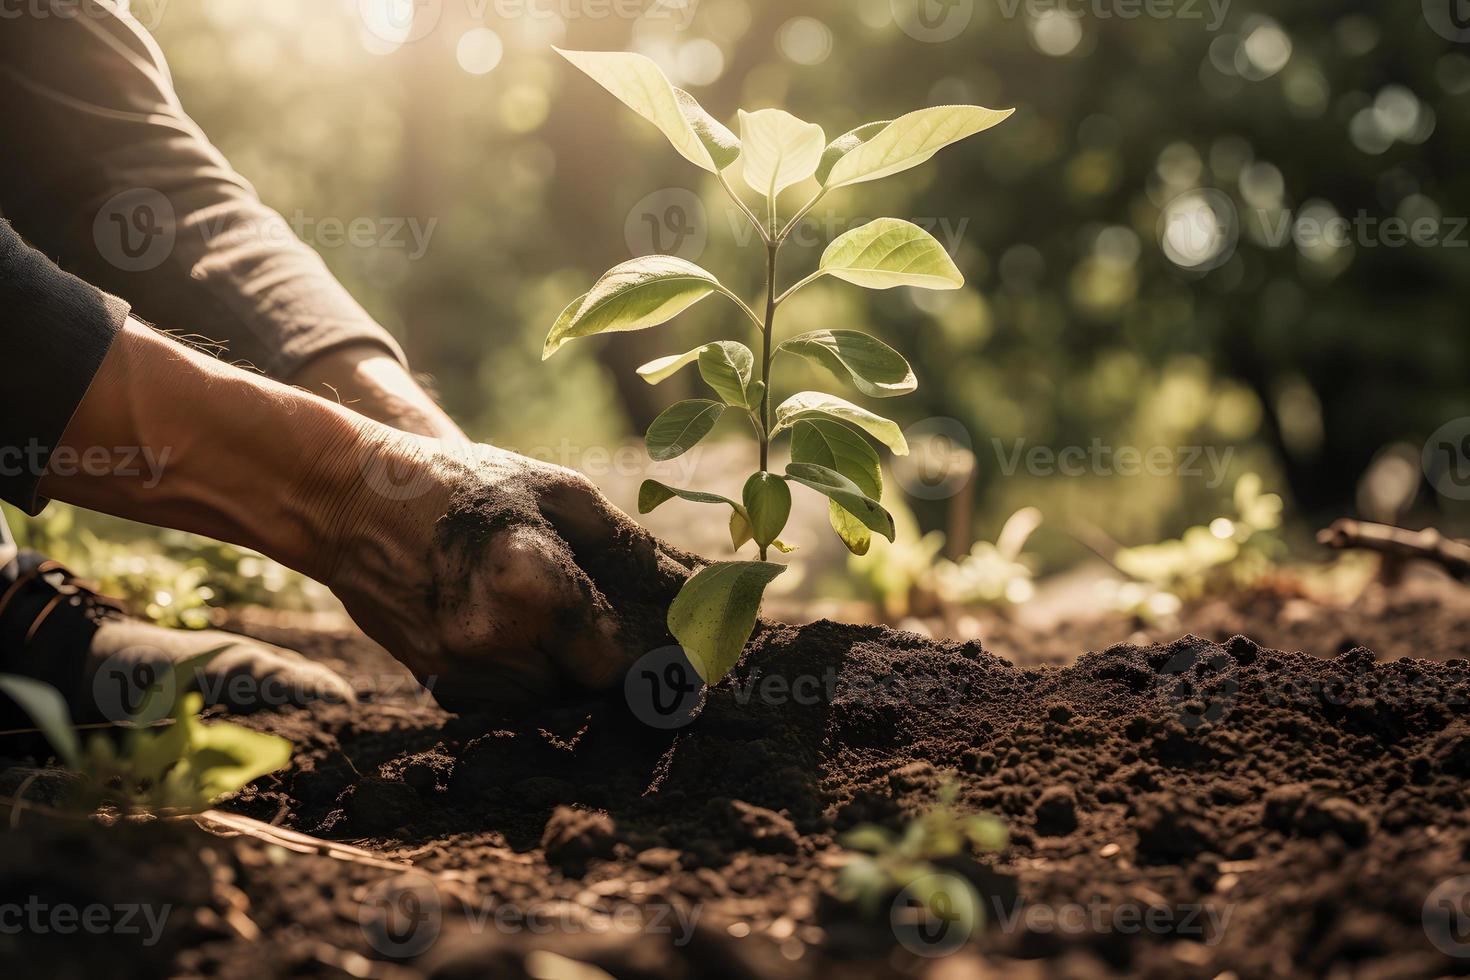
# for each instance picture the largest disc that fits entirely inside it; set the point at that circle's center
(495, 578)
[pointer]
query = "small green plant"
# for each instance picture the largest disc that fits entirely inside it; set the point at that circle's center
(1231, 551)
(171, 578)
(714, 614)
(167, 760)
(893, 862)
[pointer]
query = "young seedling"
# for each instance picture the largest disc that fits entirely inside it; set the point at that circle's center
(714, 614)
(167, 761)
(912, 860)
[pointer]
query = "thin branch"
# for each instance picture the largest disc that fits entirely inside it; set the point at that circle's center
(1426, 545)
(760, 325)
(809, 279)
(744, 209)
(801, 213)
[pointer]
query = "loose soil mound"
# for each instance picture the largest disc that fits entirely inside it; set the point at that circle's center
(1185, 809)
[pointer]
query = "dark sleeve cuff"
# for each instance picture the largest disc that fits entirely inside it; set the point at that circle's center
(55, 330)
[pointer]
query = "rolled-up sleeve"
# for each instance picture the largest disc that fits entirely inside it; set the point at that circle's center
(104, 170)
(55, 331)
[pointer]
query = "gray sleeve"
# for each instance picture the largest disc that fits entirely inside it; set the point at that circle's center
(103, 170)
(55, 331)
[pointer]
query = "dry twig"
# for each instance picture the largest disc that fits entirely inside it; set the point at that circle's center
(1426, 545)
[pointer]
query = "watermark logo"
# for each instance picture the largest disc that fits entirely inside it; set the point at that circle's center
(934, 915)
(941, 459)
(122, 682)
(1197, 704)
(1446, 917)
(401, 916)
(1198, 230)
(400, 21)
(933, 21)
(1447, 459)
(670, 221)
(663, 689)
(1450, 19)
(135, 230)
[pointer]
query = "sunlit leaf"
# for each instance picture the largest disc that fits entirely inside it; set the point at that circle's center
(875, 368)
(45, 706)
(878, 150)
(714, 613)
(680, 426)
(661, 369)
(639, 293)
(817, 404)
(767, 506)
(726, 367)
(891, 252)
(653, 494)
(835, 446)
(740, 530)
(778, 150)
(845, 144)
(843, 491)
(642, 86)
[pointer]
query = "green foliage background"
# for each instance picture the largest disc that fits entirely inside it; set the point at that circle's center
(1074, 324)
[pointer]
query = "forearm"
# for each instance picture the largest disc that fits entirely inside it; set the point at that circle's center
(371, 382)
(233, 456)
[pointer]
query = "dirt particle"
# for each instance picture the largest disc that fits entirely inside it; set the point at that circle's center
(1056, 811)
(573, 837)
(763, 830)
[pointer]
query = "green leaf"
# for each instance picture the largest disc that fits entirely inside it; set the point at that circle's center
(845, 493)
(726, 367)
(755, 394)
(778, 150)
(680, 426)
(652, 494)
(639, 293)
(816, 404)
(224, 758)
(642, 86)
(949, 898)
(878, 150)
(876, 369)
(845, 144)
(722, 145)
(714, 613)
(740, 530)
(767, 505)
(890, 252)
(661, 369)
(835, 446)
(47, 708)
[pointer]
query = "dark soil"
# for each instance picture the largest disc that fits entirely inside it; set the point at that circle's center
(1203, 807)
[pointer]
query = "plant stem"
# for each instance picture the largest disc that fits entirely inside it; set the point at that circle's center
(772, 249)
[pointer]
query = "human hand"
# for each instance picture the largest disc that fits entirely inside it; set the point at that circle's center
(498, 579)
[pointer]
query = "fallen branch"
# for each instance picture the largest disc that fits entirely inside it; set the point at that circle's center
(1426, 545)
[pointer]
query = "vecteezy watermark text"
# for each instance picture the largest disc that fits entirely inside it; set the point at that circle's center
(1097, 459)
(37, 917)
(131, 462)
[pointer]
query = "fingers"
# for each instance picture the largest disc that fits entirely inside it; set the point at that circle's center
(579, 632)
(622, 557)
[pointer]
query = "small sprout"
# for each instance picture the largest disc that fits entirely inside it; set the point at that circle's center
(1230, 550)
(168, 760)
(714, 615)
(892, 862)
